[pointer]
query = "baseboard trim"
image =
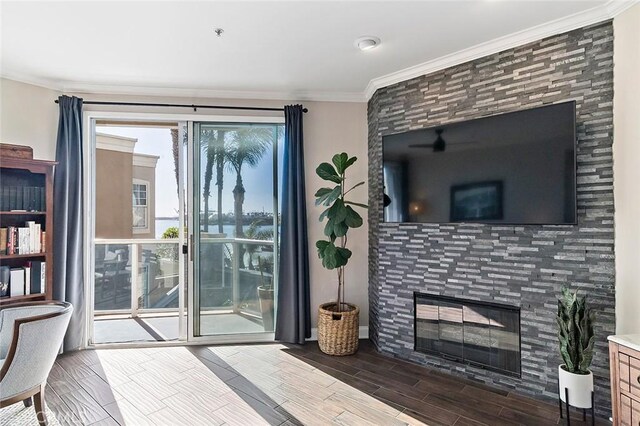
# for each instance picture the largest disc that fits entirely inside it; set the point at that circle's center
(363, 333)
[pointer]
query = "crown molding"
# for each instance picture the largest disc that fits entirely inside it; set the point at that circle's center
(582, 19)
(44, 83)
(174, 92)
(588, 17)
(87, 88)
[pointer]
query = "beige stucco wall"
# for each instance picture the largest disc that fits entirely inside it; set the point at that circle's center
(114, 177)
(28, 116)
(147, 174)
(328, 127)
(626, 167)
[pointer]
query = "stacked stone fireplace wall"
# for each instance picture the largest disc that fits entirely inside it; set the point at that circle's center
(524, 266)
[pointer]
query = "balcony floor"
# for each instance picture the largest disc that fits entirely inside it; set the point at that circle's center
(116, 329)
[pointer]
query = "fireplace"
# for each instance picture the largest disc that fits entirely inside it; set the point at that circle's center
(485, 335)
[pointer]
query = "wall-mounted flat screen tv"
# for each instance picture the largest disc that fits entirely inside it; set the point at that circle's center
(514, 168)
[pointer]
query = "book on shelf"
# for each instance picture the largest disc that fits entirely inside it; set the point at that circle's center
(11, 240)
(16, 282)
(27, 279)
(5, 273)
(23, 198)
(38, 277)
(3, 240)
(29, 239)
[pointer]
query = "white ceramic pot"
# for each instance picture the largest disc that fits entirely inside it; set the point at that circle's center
(580, 387)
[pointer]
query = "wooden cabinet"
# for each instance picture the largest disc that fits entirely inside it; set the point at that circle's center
(32, 182)
(625, 382)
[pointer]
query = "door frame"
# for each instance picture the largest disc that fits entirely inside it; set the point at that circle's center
(194, 244)
(185, 306)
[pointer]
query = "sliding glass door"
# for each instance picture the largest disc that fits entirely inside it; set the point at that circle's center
(235, 227)
(137, 257)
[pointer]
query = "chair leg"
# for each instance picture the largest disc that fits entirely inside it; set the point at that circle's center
(27, 402)
(38, 400)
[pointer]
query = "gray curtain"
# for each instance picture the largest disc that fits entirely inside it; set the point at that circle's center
(68, 258)
(293, 321)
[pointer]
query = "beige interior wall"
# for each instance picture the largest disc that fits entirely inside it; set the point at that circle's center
(28, 116)
(114, 216)
(329, 127)
(626, 167)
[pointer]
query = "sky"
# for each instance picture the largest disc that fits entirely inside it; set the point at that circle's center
(258, 181)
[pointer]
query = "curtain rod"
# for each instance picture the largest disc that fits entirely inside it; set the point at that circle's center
(195, 107)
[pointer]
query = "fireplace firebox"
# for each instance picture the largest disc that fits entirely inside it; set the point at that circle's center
(485, 335)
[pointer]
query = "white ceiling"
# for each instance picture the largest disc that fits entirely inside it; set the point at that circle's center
(281, 50)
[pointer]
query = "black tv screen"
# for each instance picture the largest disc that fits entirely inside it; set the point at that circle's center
(514, 168)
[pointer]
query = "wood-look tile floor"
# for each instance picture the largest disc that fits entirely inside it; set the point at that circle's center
(272, 384)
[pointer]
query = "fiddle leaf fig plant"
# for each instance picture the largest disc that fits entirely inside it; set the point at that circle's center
(575, 331)
(340, 216)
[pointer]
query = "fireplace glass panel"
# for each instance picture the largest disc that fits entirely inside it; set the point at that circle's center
(482, 334)
(427, 327)
(477, 335)
(450, 325)
(505, 341)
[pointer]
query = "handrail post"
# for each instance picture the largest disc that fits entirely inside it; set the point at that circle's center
(134, 279)
(236, 278)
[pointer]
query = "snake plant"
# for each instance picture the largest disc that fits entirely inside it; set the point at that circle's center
(575, 331)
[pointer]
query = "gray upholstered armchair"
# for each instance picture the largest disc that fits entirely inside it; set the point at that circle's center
(30, 338)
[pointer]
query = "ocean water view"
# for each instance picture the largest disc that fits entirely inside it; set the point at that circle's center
(164, 224)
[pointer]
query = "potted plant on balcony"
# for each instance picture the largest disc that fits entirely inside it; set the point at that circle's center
(265, 296)
(575, 332)
(338, 322)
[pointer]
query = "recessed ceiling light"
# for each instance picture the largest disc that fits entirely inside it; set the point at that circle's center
(367, 42)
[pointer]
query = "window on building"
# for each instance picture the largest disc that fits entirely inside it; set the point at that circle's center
(140, 206)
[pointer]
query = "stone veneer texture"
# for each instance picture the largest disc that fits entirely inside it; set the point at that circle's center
(518, 265)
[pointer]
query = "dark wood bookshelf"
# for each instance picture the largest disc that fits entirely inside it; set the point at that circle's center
(25, 298)
(22, 256)
(20, 173)
(21, 213)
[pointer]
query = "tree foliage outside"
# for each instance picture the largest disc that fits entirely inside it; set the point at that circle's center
(231, 150)
(246, 147)
(169, 251)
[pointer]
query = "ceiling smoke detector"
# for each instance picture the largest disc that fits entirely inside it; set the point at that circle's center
(367, 43)
(218, 31)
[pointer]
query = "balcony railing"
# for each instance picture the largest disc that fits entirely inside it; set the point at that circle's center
(234, 275)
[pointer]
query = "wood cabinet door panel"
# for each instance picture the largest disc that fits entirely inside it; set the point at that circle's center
(625, 411)
(634, 376)
(625, 369)
(635, 413)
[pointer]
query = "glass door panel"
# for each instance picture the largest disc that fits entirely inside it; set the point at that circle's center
(235, 220)
(138, 260)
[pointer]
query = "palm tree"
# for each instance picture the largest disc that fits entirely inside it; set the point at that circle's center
(247, 146)
(207, 140)
(221, 158)
(175, 149)
(213, 146)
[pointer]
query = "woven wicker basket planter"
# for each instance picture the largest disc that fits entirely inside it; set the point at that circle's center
(338, 331)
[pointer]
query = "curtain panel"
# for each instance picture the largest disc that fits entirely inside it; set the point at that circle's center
(293, 320)
(68, 255)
